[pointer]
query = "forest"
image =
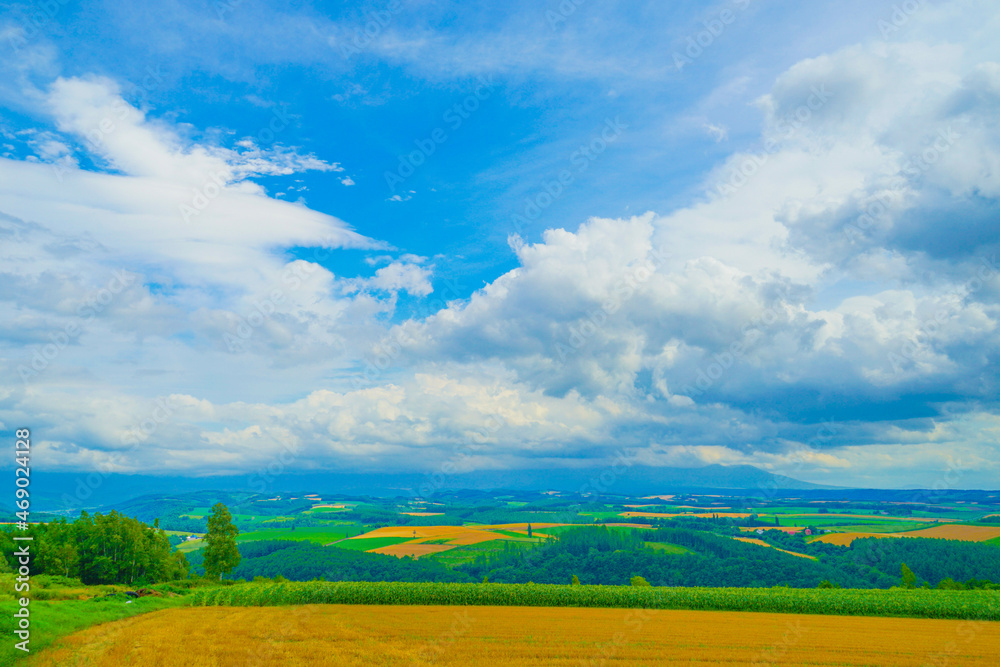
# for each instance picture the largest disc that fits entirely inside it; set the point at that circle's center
(100, 549)
(603, 556)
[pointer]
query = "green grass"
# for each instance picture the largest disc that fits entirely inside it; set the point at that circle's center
(887, 527)
(611, 515)
(971, 605)
(665, 548)
(523, 535)
(366, 543)
(468, 553)
(834, 521)
(52, 620)
(555, 531)
(189, 546)
(317, 534)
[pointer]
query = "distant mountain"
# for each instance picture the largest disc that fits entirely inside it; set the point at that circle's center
(70, 492)
(634, 480)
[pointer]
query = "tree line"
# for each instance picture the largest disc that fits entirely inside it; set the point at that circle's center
(116, 549)
(99, 549)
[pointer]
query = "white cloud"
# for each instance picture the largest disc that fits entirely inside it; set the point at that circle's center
(831, 275)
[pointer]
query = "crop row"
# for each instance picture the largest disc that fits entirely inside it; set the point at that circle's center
(918, 603)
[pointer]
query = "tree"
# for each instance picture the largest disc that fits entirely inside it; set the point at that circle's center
(221, 553)
(576, 580)
(529, 530)
(638, 581)
(909, 579)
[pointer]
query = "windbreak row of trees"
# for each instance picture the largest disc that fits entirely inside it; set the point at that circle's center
(100, 549)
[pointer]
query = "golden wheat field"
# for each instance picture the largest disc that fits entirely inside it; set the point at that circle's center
(412, 550)
(762, 543)
(456, 536)
(346, 635)
(963, 533)
(845, 539)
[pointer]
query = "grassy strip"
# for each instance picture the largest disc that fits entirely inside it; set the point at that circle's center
(665, 548)
(52, 620)
(318, 535)
(977, 605)
(366, 543)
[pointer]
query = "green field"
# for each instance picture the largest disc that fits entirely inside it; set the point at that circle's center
(470, 552)
(189, 546)
(522, 535)
(832, 520)
(559, 530)
(970, 605)
(367, 543)
(663, 547)
(51, 620)
(886, 527)
(320, 535)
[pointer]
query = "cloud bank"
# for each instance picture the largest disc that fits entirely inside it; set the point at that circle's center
(828, 309)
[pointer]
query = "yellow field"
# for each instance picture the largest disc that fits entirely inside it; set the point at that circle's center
(963, 533)
(845, 539)
(762, 543)
(423, 513)
(704, 515)
(438, 532)
(349, 636)
(411, 549)
(456, 535)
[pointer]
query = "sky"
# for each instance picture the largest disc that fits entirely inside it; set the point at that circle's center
(440, 237)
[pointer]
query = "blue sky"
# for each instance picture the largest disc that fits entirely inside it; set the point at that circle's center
(518, 236)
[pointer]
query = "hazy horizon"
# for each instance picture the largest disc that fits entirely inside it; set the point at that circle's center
(441, 239)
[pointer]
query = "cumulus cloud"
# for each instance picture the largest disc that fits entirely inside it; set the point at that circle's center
(828, 310)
